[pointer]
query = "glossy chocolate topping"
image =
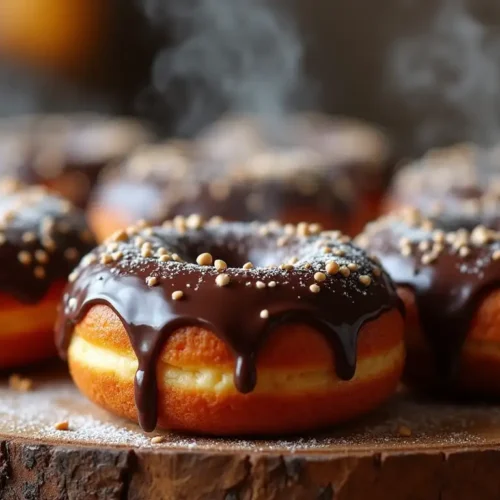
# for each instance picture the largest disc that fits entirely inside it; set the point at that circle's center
(449, 274)
(243, 169)
(42, 238)
(458, 186)
(149, 279)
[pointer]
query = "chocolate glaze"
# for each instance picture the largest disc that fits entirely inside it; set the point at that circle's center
(232, 312)
(447, 290)
(42, 238)
(299, 168)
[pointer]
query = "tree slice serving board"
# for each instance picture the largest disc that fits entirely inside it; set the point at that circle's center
(453, 453)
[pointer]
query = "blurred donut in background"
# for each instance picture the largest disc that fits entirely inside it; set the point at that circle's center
(300, 168)
(459, 186)
(66, 152)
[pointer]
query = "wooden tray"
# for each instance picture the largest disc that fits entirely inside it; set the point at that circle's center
(453, 453)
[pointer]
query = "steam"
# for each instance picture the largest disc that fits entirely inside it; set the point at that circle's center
(241, 56)
(447, 75)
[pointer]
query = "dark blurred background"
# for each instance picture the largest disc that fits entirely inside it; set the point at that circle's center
(426, 70)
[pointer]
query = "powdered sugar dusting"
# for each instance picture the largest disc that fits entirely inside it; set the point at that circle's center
(32, 415)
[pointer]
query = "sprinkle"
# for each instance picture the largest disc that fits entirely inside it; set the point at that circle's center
(29, 237)
(106, 258)
(332, 267)
(112, 247)
(151, 280)
(423, 246)
(164, 258)
(260, 285)
(220, 265)
(338, 252)
(496, 255)
(248, 265)
(204, 259)
(3, 239)
(39, 272)
(216, 220)
(116, 256)
(286, 267)
(404, 431)
(289, 229)
(119, 235)
(315, 288)
(271, 284)
(264, 314)
(315, 228)
(146, 251)
(157, 439)
(319, 276)
(20, 384)
(344, 271)
(428, 258)
(61, 426)
(194, 221)
(49, 244)
(326, 250)
(24, 258)
(161, 251)
(176, 258)
(41, 256)
(303, 229)
(352, 266)
(72, 303)
(365, 280)
(72, 277)
(138, 241)
(177, 295)
(406, 250)
(464, 251)
(282, 241)
(71, 253)
(222, 280)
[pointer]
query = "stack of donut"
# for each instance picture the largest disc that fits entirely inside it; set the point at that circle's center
(307, 167)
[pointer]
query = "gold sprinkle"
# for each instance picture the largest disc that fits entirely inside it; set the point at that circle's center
(464, 251)
(131, 231)
(176, 258)
(72, 277)
(71, 253)
(496, 255)
(344, 271)
(177, 295)
(162, 251)
(272, 284)
(428, 258)
(112, 247)
(303, 229)
(286, 267)
(307, 265)
(3, 239)
(119, 235)
(404, 431)
(194, 221)
(315, 288)
(248, 265)
(282, 241)
(61, 426)
(116, 256)
(315, 228)
(222, 280)
(406, 250)
(89, 259)
(41, 256)
(438, 236)
(146, 251)
(365, 280)
(164, 258)
(24, 258)
(148, 231)
(332, 267)
(264, 314)
(138, 241)
(352, 266)
(216, 220)
(326, 250)
(423, 246)
(220, 265)
(263, 230)
(204, 259)
(29, 237)
(151, 280)
(319, 276)
(260, 285)
(338, 252)
(106, 258)
(39, 272)
(289, 229)
(19, 383)
(157, 439)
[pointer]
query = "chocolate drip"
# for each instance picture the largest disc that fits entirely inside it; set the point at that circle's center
(447, 290)
(232, 312)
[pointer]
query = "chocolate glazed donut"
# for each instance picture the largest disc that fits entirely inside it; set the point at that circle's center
(147, 277)
(449, 282)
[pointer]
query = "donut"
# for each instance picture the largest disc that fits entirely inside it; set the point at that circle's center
(449, 282)
(42, 237)
(307, 167)
(459, 185)
(232, 328)
(66, 153)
